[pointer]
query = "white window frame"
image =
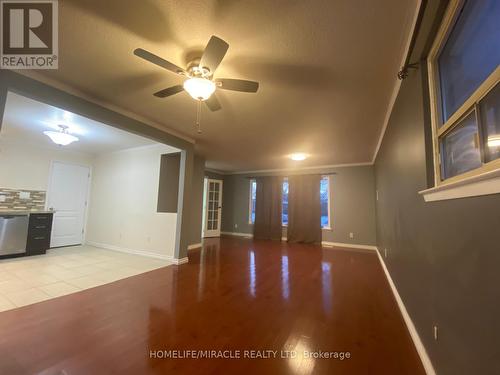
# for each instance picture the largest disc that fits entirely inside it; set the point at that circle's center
(252, 180)
(438, 131)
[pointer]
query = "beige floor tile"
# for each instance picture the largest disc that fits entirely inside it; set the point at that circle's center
(13, 285)
(6, 304)
(59, 289)
(85, 270)
(6, 275)
(65, 273)
(86, 282)
(66, 270)
(40, 279)
(27, 297)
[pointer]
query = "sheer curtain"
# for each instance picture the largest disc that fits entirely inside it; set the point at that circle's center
(267, 224)
(304, 209)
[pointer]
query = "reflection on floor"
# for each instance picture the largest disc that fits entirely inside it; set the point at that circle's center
(62, 271)
(234, 295)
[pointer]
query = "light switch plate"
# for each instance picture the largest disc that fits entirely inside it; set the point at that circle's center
(24, 195)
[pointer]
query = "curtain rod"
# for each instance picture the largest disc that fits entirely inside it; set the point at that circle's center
(295, 174)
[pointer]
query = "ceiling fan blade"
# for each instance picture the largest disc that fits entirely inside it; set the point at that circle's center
(214, 53)
(237, 85)
(169, 91)
(157, 60)
(213, 103)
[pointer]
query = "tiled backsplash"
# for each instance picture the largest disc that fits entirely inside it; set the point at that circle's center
(22, 200)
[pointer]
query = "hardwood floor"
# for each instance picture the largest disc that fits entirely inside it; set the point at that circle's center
(234, 294)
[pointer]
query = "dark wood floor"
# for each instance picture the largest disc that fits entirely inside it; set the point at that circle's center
(234, 294)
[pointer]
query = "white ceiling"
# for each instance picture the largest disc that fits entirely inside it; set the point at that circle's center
(25, 120)
(327, 71)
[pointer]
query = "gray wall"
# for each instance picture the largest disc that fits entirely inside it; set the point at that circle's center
(352, 206)
(196, 200)
(443, 256)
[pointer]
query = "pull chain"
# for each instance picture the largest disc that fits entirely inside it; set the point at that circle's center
(198, 117)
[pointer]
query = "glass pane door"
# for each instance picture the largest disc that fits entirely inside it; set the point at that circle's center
(213, 208)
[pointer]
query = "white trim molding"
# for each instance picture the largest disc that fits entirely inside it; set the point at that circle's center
(179, 261)
(37, 76)
(237, 234)
(300, 169)
(483, 184)
(422, 352)
(194, 246)
(348, 245)
(130, 251)
(397, 82)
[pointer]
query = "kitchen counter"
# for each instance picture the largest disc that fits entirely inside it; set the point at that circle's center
(22, 213)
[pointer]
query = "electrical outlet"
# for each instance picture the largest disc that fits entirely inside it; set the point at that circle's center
(436, 333)
(385, 253)
(351, 235)
(235, 226)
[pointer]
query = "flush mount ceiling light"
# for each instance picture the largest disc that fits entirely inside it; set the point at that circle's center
(62, 137)
(494, 141)
(199, 88)
(298, 156)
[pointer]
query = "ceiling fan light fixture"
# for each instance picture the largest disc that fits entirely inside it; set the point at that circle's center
(199, 88)
(298, 156)
(61, 137)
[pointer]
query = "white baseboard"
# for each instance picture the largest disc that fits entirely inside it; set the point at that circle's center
(194, 246)
(246, 235)
(180, 260)
(134, 251)
(424, 357)
(348, 245)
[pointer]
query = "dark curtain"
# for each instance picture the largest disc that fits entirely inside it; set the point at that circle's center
(304, 209)
(267, 224)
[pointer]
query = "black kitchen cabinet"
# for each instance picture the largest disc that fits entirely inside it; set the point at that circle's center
(39, 229)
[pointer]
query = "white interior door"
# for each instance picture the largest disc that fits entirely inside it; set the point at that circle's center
(213, 208)
(67, 196)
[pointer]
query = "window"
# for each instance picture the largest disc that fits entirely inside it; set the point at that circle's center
(324, 192)
(464, 71)
(324, 189)
(253, 195)
(284, 209)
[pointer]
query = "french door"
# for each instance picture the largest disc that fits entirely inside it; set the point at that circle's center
(212, 207)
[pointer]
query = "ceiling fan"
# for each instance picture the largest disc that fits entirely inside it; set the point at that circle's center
(200, 82)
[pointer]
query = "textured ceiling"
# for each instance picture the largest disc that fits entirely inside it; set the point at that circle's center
(326, 71)
(25, 120)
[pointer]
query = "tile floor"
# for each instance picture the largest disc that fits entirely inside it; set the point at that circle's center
(62, 271)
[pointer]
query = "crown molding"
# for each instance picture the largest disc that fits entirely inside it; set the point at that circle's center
(397, 83)
(321, 167)
(70, 90)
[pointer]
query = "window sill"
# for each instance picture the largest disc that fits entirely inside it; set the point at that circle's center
(483, 184)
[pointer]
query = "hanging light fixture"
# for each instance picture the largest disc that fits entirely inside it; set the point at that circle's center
(61, 137)
(199, 88)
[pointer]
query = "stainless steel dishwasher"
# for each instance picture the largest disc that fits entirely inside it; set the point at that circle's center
(13, 234)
